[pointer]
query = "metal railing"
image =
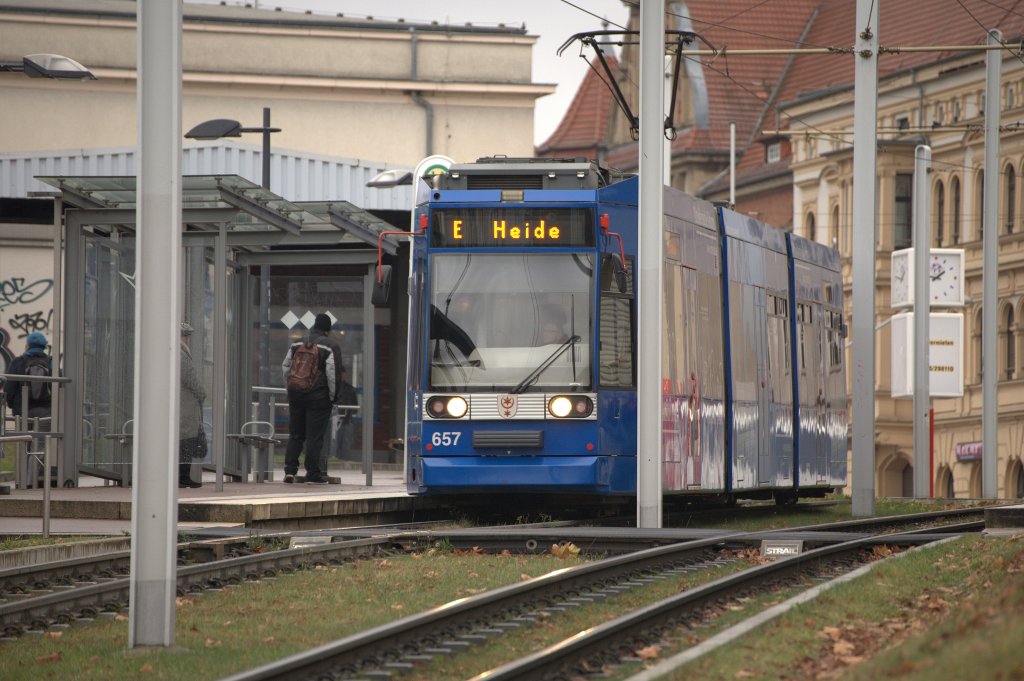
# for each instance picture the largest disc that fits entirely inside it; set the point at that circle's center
(23, 436)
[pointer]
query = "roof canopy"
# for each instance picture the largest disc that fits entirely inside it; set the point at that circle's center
(209, 201)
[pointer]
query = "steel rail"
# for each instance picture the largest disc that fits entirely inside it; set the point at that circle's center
(553, 661)
(110, 594)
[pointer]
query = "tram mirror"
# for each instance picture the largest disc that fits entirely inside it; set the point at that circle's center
(381, 286)
(613, 272)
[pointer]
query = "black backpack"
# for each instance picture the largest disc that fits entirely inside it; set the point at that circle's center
(38, 391)
(305, 367)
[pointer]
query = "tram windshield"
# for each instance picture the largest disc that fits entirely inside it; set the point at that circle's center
(497, 318)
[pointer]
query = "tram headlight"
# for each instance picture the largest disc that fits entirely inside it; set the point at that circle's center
(457, 407)
(441, 407)
(560, 407)
(570, 406)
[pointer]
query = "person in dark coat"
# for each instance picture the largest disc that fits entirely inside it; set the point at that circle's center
(309, 412)
(191, 437)
(39, 399)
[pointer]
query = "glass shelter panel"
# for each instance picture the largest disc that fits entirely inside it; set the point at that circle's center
(108, 352)
(297, 295)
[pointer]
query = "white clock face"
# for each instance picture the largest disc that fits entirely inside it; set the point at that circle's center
(900, 291)
(944, 271)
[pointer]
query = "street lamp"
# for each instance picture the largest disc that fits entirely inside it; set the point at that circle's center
(49, 66)
(224, 127)
(390, 178)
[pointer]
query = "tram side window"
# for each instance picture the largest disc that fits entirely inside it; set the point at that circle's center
(616, 358)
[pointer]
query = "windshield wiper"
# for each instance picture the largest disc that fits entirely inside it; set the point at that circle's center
(535, 374)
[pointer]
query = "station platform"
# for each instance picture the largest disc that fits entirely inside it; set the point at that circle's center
(96, 508)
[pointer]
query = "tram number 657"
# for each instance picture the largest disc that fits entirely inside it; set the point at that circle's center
(445, 439)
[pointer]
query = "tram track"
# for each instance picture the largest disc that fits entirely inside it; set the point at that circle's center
(416, 640)
(37, 598)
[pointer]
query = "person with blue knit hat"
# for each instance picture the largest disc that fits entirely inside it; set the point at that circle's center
(35, 362)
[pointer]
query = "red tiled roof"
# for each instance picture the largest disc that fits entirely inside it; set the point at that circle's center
(584, 127)
(923, 22)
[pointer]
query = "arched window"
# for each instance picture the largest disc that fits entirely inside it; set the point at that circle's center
(940, 212)
(980, 194)
(954, 189)
(1011, 199)
(1009, 350)
(976, 345)
(903, 210)
(811, 230)
(834, 228)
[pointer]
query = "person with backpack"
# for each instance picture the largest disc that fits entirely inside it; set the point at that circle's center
(312, 370)
(33, 362)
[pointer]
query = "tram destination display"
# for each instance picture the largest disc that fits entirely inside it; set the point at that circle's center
(512, 227)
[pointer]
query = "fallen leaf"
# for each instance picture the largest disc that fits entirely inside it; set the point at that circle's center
(832, 633)
(52, 657)
(745, 674)
(397, 606)
(146, 669)
(269, 639)
(120, 618)
(843, 648)
(523, 576)
(647, 652)
(212, 643)
(53, 634)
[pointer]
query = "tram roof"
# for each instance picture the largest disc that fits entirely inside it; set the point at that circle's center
(242, 206)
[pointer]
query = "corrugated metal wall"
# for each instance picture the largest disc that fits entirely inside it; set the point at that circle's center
(296, 176)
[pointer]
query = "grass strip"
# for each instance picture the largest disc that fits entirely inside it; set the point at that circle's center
(945, 613)
(220, 633)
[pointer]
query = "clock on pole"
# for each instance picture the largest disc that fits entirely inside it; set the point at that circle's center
(945, 278)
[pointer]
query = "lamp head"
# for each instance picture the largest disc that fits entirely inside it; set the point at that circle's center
(54, 66)
(391, 178)
(215, 129)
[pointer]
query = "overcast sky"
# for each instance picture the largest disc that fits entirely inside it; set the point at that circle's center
(553, 21)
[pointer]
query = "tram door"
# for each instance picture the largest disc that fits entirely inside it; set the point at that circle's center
(106, 302)
(763, 387)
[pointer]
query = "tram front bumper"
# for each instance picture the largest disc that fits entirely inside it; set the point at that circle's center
(520, 473)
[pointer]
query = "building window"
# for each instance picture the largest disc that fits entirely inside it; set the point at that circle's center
(834, 228)
(810, 228)
(980, 195)
(956, 110)
(903, 214)
(1011, 199)
(940, 212)
(773, 152)
(903, 122)
(940, 113)
(1010, 352)
(955, 191)
(976, 337)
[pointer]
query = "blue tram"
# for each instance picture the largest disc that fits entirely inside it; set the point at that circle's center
(522, 342)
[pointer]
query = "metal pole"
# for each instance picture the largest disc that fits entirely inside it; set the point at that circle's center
(865, 216)
(266, 147)
(154, 553)
(46, 476)
(220, 354)
(264, 287)
(56, 344)
(652, 106)
(368, 379)
(990, 274)
(922, 309)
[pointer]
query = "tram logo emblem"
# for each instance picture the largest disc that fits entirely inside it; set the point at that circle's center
(507, 406)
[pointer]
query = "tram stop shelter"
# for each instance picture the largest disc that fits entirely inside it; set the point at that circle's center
(256, 269)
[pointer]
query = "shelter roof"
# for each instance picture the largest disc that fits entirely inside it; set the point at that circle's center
(243, 206)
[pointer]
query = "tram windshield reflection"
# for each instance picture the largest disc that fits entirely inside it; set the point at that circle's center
(496, 316)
